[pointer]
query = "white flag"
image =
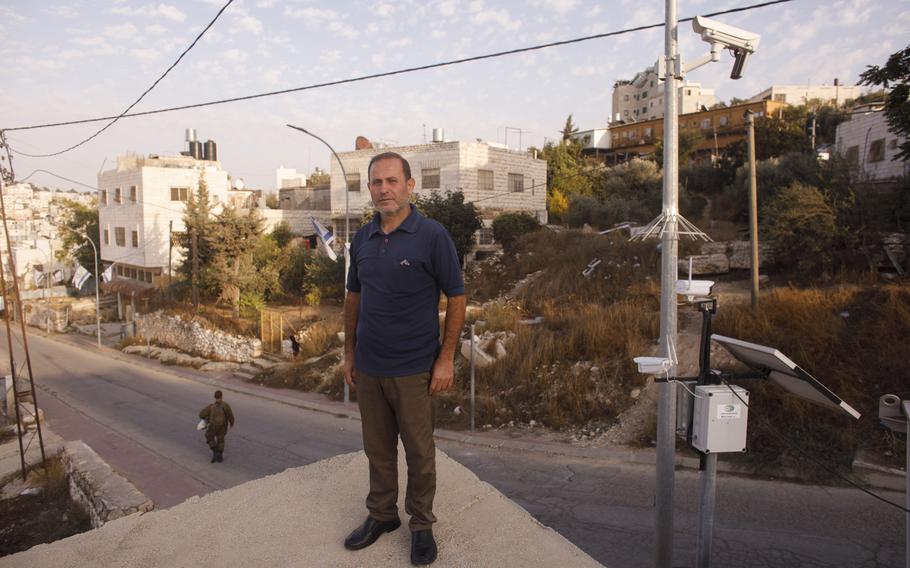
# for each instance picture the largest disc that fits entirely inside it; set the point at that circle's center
(108, 273)
(326, 238)
(58, 276)
(39, 278)
(80, 276)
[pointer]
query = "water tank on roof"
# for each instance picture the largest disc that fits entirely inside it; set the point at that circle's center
(196, 149)
(210, 151)
(438, 135)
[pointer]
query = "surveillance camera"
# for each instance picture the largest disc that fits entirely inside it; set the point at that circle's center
(740, 42)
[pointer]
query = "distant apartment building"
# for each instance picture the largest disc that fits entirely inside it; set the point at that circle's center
(141, 202)
(642, 98)
(797, 95)
(719, 127)
(593, 142)
(869, 146)
(493, 177)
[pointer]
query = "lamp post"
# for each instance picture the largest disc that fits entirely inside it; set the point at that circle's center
(347, 223)
(97, 288)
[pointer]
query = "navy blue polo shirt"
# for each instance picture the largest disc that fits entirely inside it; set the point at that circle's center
(399, 277)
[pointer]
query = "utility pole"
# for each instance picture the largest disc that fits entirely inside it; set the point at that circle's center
(753, 206)
(170, 249)
(195, 252)
(666, 401)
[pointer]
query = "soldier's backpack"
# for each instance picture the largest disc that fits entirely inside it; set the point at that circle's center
(217, 416)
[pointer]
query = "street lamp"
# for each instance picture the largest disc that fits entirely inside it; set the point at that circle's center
(347, 224)
(97, 288)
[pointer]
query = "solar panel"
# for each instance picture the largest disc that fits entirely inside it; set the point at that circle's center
(780, 370)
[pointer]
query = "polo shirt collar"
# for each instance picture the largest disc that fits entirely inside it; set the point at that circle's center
(409, 225)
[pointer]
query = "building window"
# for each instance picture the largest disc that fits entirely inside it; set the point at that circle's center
(636, 97)
(644, 95)
(625, 98)
(516, 183)
(877, 150)
(119, 270)
(120, 236)
(132, 194)
(706, 123)
(135, 238)
(853, 155)
(148, 276)
(179, 193)
(892, 144)
(103, 198)
(652, 83)
(723, 120)
(688, 92)
(118, 196)
(485, 180)
(644, 110)
(353, 182)
(429, 178)
(133, 274)
(107, 237)
(485, 236)
(648, 132)
(781, 98)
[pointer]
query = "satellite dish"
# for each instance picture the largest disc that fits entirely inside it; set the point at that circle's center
(779, 369)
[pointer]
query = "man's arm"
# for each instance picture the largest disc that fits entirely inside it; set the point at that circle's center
(444, 367)
(229, 413)
(351, 313)
(204, 413)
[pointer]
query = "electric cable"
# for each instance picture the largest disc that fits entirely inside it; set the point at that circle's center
(806, 455)
(147, 91)
(398, 71)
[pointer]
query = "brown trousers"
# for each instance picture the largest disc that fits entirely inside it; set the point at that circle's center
(391, 407)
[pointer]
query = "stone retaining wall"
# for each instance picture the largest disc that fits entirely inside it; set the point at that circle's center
(192, 337)
(41, 315)
(99, 490)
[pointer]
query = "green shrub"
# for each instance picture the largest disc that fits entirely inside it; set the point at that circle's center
(507, 227)
(803, 227)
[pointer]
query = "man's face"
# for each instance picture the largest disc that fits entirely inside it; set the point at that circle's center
(389, 188)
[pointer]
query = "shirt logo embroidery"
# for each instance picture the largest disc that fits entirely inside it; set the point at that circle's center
(405, 263)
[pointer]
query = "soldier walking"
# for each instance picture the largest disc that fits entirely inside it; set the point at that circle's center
(218, 417)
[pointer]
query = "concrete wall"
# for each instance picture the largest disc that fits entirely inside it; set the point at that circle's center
(855, 139)
(191, 337)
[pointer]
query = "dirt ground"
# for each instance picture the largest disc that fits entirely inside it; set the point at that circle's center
(44, 513)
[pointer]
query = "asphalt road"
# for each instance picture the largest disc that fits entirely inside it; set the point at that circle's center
(141, 418)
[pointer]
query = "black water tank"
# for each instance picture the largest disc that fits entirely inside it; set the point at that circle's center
(210, 151)
(196, 149)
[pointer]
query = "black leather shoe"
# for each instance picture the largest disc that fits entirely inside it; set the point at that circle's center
(367, 533)
(214, 456)
(423, 548)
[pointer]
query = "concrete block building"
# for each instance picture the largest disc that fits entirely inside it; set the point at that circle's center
(141, 201)
(492, 176)
(642, 98)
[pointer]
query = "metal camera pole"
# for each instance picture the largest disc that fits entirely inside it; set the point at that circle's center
(666, 401)
(97, 293)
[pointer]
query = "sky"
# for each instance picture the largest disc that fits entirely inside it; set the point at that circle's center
(85, 59)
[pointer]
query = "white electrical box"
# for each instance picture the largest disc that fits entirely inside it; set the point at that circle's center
(720, 419)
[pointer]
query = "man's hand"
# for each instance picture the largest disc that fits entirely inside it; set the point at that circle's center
(443, 376)
(350, 374)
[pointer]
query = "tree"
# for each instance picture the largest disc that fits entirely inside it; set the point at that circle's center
(895, 73)
(688, 145)
(557, 206)
(234, 270)
(197, 240)
(319, 178)
(78, 222)
(569, 130)
(461, 219)
(271, 201)
(567, 171)
(508, 227)
(282, 234)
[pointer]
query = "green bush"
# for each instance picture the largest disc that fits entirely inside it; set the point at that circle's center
(324, 275)
(508, 227)
(803, 226)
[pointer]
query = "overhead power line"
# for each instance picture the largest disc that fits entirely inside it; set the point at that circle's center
(398, 71)
(147, 91)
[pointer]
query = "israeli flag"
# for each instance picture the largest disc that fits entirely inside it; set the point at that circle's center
(58, 276)
(39, 278)
(326, 238)
(108, 273)
(80, 276)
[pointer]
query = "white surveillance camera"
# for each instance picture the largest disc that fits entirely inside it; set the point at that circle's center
(740, 42)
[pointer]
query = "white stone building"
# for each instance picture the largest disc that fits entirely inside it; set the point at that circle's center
(869, 146)
(493, 177)
(797, 95)
(142, 201)
(642, 98)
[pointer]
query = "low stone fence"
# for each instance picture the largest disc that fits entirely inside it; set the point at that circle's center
(46, 317)
(193, 337)
(104, 494)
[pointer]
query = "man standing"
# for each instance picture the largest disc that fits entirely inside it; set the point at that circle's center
(399, 263)
(218, 417)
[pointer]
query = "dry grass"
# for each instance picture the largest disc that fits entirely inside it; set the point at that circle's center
(853, 340)
(319, 337)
